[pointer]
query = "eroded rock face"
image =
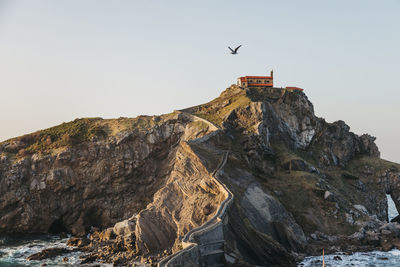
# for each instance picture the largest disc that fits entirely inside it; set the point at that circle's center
(339, 145)
(291, 119)
(92, 184)
(298, 182)
(189, 199)
(329, 179)
(77, 186)
(270, 217)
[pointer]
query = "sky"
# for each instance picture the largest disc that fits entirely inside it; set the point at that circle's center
(67, 59)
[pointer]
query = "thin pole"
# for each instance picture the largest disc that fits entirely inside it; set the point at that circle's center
(323, 258)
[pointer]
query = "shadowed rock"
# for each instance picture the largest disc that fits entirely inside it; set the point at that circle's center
(48, 254)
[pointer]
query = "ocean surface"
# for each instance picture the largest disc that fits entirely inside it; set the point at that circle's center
(360, 259)
(15, 250)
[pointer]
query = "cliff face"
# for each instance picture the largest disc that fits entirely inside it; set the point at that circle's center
(101, 181)
(144, 183)
(293, 174)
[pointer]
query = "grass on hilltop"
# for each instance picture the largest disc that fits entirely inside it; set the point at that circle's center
(79, 131)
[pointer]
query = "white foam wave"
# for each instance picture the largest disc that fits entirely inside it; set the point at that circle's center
(358, 259)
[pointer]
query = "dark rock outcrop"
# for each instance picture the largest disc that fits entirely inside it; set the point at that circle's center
(48, 254)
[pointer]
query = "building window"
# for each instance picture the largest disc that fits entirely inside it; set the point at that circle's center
(258, 81)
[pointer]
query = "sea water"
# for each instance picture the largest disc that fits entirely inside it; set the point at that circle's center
(15, 250)
(360, 259)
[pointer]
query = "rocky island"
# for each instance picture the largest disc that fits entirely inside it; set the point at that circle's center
(251, 178)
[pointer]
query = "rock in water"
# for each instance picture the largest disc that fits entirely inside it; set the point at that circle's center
(48, 254)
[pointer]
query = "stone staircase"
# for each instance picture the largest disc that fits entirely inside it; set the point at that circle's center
(204, 245)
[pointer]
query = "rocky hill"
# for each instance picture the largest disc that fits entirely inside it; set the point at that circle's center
(250, 178)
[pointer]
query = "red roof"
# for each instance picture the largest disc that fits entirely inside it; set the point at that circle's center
(255, 77)
(258, 77)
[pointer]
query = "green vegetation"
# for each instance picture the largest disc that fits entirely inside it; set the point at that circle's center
(379, 165)
(74, 132)
(199, 125)
(216, 110)
(283, 153)
(80, 131)
(301, 192)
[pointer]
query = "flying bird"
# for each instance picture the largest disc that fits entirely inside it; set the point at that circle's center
(234, 52)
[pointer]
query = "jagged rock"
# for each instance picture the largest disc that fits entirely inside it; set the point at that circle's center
(125, 227)
(392, 228)
(328, 195)
(107, 234)
(175, 208)
(313, 236)
(372, 237)
(48, 253)
(139, 185)
(78, 242)
(368, 145)
(361, 208)
(78, 182)
(268, 216)
(349, 218)
(396, 219)
(299, 165)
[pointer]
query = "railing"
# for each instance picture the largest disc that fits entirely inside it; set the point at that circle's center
(188, 241)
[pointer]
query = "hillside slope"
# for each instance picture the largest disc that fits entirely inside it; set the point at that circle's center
(140, 185)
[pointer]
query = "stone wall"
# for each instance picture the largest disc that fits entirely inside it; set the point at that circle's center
(204, 245)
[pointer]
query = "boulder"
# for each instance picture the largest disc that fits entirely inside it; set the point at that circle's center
(361, 208)
(125, 227)
(107, 234)
(78, 242)
(299, 165)
(48, 254)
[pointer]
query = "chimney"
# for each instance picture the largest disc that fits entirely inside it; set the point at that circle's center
(272, 74)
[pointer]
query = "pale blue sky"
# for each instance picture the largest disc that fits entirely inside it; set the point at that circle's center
(61, 60)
